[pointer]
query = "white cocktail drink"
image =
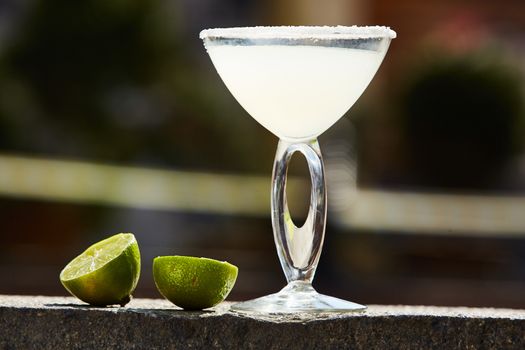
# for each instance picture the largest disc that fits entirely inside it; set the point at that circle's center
(296, 92)
(297, 82)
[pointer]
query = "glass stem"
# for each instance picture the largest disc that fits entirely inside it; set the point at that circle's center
(299, 248)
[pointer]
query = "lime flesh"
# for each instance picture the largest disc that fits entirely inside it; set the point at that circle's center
(106, 273)
(193, 283)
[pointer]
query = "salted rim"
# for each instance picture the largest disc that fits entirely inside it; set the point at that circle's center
(300, 32)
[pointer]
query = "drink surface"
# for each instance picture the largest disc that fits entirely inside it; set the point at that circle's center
(295, 91)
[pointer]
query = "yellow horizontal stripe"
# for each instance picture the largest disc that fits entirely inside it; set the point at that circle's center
(83, 182)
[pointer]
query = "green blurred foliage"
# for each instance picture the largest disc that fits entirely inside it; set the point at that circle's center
(462, 119)
(117, 81)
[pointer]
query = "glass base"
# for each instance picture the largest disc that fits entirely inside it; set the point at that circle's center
(297, 296)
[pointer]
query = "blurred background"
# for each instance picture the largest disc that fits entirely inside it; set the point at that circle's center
(112, 119)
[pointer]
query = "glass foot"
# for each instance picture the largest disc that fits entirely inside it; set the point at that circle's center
(297, 296)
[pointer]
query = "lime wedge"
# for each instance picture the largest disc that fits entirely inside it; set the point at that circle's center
(193, 283)
(106, 273)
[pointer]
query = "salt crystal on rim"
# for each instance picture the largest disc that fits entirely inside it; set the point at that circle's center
(300, 32)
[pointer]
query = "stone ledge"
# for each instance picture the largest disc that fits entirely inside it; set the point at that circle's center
(30, 322)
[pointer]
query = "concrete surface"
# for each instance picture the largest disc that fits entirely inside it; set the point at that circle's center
(37, 322)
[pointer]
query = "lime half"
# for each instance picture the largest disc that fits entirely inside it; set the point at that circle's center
(106, 273)
(193, 283)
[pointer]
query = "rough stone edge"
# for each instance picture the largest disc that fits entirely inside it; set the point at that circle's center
(58, 322)
(144, 305)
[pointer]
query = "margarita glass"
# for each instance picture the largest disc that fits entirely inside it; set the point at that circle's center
(297, 82)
